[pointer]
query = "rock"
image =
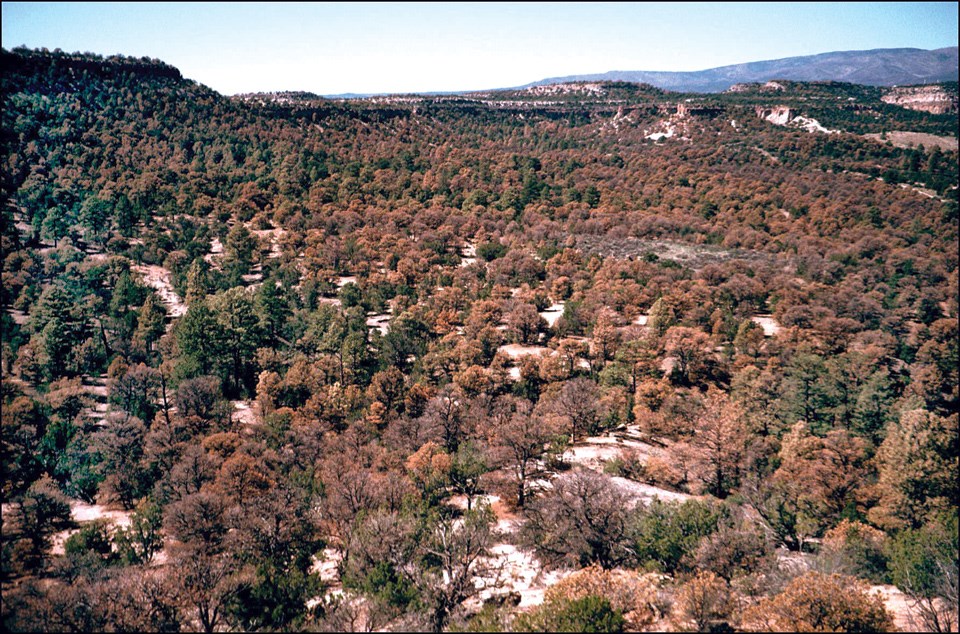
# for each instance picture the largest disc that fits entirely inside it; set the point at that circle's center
(779, 115)
(933, 99)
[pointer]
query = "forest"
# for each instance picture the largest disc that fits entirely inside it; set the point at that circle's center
(587, 357)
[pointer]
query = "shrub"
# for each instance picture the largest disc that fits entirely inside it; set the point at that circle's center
(489, 251)
(820, 603)
(855, 549)
(706, 603)
(582, 520)
(587, 614)
(665, 535)
(923, 563)
(632, 593)
(734, 551)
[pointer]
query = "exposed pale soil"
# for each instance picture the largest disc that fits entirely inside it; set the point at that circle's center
(768, 323)
(380, 322)
(244, 412)
(517, 350)
(905, 139)
(468, 254)
(158, 278)
(696, 256)
(19, 317)
(81, 513)
(552, 313)
(271, 237)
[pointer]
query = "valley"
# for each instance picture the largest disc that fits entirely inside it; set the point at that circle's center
(593, 352)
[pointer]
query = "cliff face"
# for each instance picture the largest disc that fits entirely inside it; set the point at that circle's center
(779, 115)
(783, 115)
(686, 110)
(932, 99)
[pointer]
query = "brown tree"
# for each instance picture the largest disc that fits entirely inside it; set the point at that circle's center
(820, 603)
(692, 353)
(583, 519)
(577, 402)
(705, 603)
(719, 444)
(517, 440)
(917, 463)
(525, 323)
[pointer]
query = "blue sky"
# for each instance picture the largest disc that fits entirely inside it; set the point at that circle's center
(331, 48)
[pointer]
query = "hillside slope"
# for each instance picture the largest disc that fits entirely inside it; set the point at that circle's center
(879, 67)
(517, 360)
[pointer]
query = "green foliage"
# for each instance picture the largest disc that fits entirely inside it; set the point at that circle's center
(240, 336)
(384, 584)
(41, 512)
(89, 550)
(588, 614)
(666, 535)
(199, 339)
(77, 470)
(467, 467)
(138, 543)
(272, 601)
(350, 295)
(489, 251)
(805, 395)
(24, 422)
(94, 537)
(917, 465)
(856, 549)
(923, 562)
(114, 163)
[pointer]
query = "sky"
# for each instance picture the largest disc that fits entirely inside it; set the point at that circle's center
(404, 47)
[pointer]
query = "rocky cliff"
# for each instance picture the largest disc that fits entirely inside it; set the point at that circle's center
(779, 115)
(933, 99)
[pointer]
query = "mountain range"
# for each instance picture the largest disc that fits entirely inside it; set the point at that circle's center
(878, 67)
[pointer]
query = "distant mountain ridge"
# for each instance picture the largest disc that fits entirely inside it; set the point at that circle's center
(877, 67)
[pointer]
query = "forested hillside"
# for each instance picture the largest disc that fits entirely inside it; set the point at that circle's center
(594, 355)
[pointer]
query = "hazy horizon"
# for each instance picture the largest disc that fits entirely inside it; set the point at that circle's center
(336, 48)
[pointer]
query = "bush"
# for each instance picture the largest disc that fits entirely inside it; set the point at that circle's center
(634, 594)
(820, 603)
(855, 549)
(659, 472)
(582, 520)
(735, 551)
(628, 464)
(588, 614)
(490, 251)
(923, 563)
(665, 535)
(706, 603)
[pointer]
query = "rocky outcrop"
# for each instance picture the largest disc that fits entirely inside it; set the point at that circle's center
(694, 110)
(783, 115)
(779, 115)
(932, 99)
(591, 88)
(770, 86)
